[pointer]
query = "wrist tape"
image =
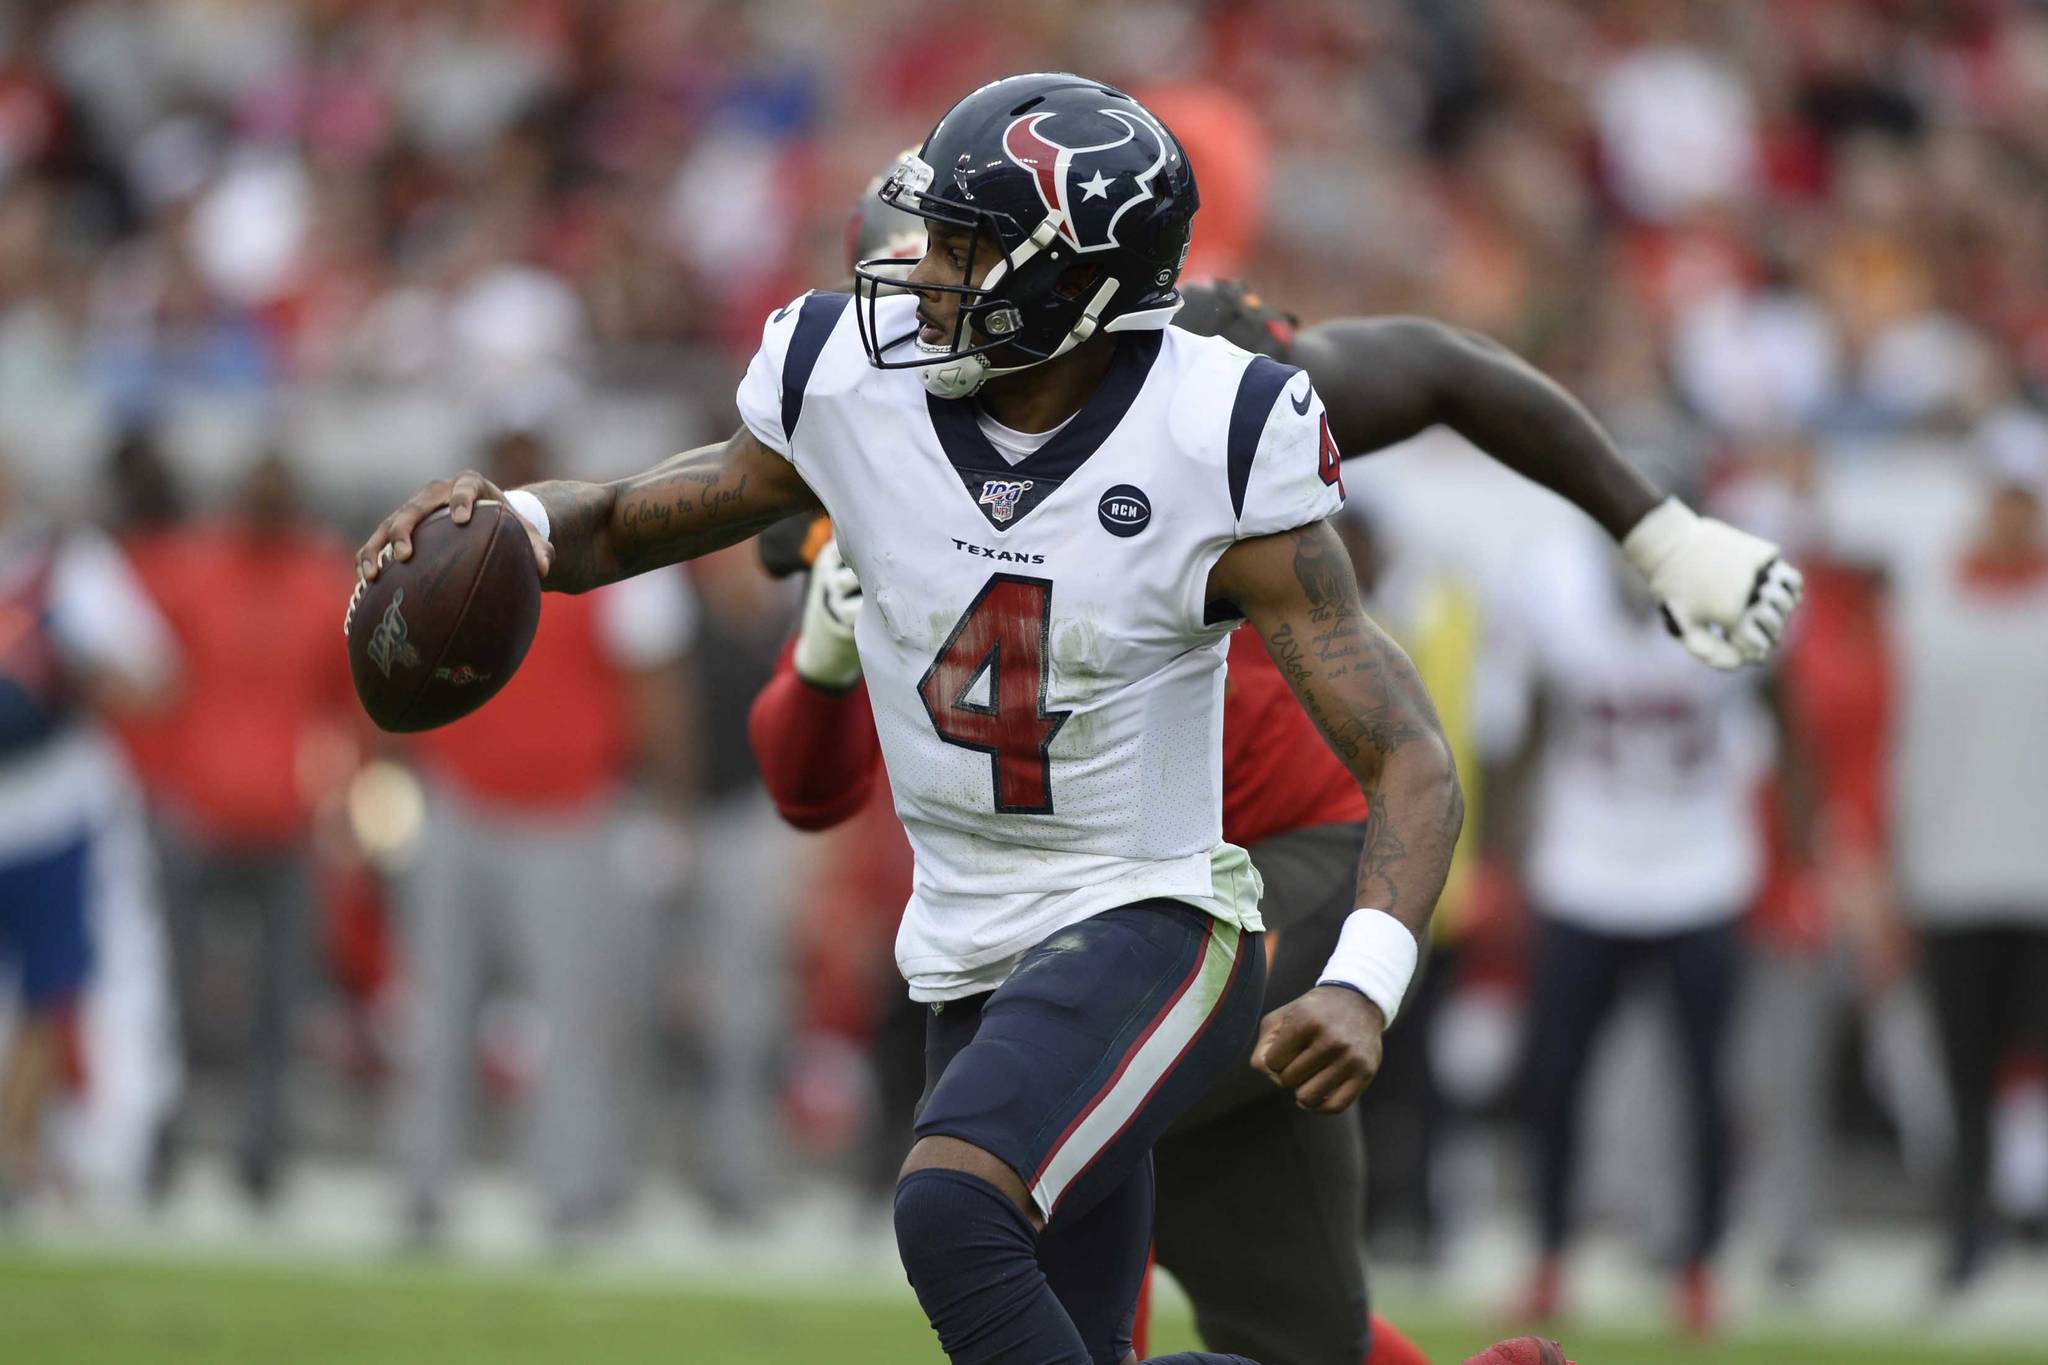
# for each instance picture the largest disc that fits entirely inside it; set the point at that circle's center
(1375, 956)
(532, 511)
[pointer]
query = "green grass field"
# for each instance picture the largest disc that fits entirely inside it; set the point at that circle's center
(55, 1310)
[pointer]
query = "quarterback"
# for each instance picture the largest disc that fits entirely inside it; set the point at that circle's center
(1260, 1194)
(1058, 508)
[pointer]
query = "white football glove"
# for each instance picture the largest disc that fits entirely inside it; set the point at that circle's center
(1726, 594)
(825, 653)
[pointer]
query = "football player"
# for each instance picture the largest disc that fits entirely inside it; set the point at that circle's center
(1051, 572)
(1254, 1189)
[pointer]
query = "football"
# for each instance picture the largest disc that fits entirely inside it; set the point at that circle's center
(437, 635)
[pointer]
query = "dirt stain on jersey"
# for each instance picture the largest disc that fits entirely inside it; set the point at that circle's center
(1077, 651)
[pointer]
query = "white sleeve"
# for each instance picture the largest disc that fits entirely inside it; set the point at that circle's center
(647, 620)
(1295, 477)
(101, 615)
(1505, 682)
(1529, 637)
(760, 393)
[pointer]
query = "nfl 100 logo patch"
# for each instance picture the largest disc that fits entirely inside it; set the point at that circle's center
(1000, 496)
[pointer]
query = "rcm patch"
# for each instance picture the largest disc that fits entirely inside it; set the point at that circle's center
(1125, 510)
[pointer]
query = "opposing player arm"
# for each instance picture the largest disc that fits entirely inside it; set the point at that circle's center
(1385, 380)
(817, 748)
(1727, 594)
(1298, 591)
(590, 534)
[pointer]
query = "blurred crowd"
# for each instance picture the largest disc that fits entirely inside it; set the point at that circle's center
(1762, 238)
(1820, 211)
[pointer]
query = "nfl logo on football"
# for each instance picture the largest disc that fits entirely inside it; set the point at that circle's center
(1001, 496)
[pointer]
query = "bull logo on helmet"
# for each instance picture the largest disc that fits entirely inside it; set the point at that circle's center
(1085, 200)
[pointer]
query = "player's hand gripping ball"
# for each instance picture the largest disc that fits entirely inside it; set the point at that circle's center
(1324, 1046)
(446, 603)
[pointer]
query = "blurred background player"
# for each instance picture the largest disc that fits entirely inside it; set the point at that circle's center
(78, 640)
(1631, 802)
(1972, 667)
(1828, 979)
(733, 981)
(524, 803)
(260, 729)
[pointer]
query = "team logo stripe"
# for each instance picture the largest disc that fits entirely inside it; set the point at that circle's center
(1142, 1070)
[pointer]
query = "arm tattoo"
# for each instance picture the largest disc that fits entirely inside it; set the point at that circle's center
(1351, 649)
(577, 513)
(1327, 579)
(1380, 857)
(689, 505)
(1365, 697)
(683, 509)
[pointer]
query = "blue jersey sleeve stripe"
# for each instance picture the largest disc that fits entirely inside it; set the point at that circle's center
(1257, 390)
(820, 314)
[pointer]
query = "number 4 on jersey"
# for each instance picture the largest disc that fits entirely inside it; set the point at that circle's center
(1330, 460)
(1003, 635)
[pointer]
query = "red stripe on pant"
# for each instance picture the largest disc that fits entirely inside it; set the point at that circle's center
(1123, 1065)
(1229, 985)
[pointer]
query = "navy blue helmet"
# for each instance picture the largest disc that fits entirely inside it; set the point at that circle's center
(1063, 172)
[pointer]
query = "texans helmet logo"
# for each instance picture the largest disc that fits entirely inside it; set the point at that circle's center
(1083, 190)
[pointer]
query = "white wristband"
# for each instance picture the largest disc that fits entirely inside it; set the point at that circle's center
(1654, 539)
(532, 511)
(1375, 956)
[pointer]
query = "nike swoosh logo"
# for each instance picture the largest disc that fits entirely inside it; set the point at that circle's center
(1301, 403)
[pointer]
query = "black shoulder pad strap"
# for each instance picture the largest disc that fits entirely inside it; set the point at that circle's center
(1257, 390)
(813, 325)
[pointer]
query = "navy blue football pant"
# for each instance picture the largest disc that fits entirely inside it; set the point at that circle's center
(1069, 1073)
(1261, 1203)
(1579, 973)
(44, 937)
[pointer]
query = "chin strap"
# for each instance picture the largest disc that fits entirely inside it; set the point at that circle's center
(962, 377)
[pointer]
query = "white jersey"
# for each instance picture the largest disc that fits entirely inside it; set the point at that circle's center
(1644, 818)
(1046, 684)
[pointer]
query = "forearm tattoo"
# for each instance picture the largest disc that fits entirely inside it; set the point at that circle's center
(689, 505)
(1365, 697)
(577, 514)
